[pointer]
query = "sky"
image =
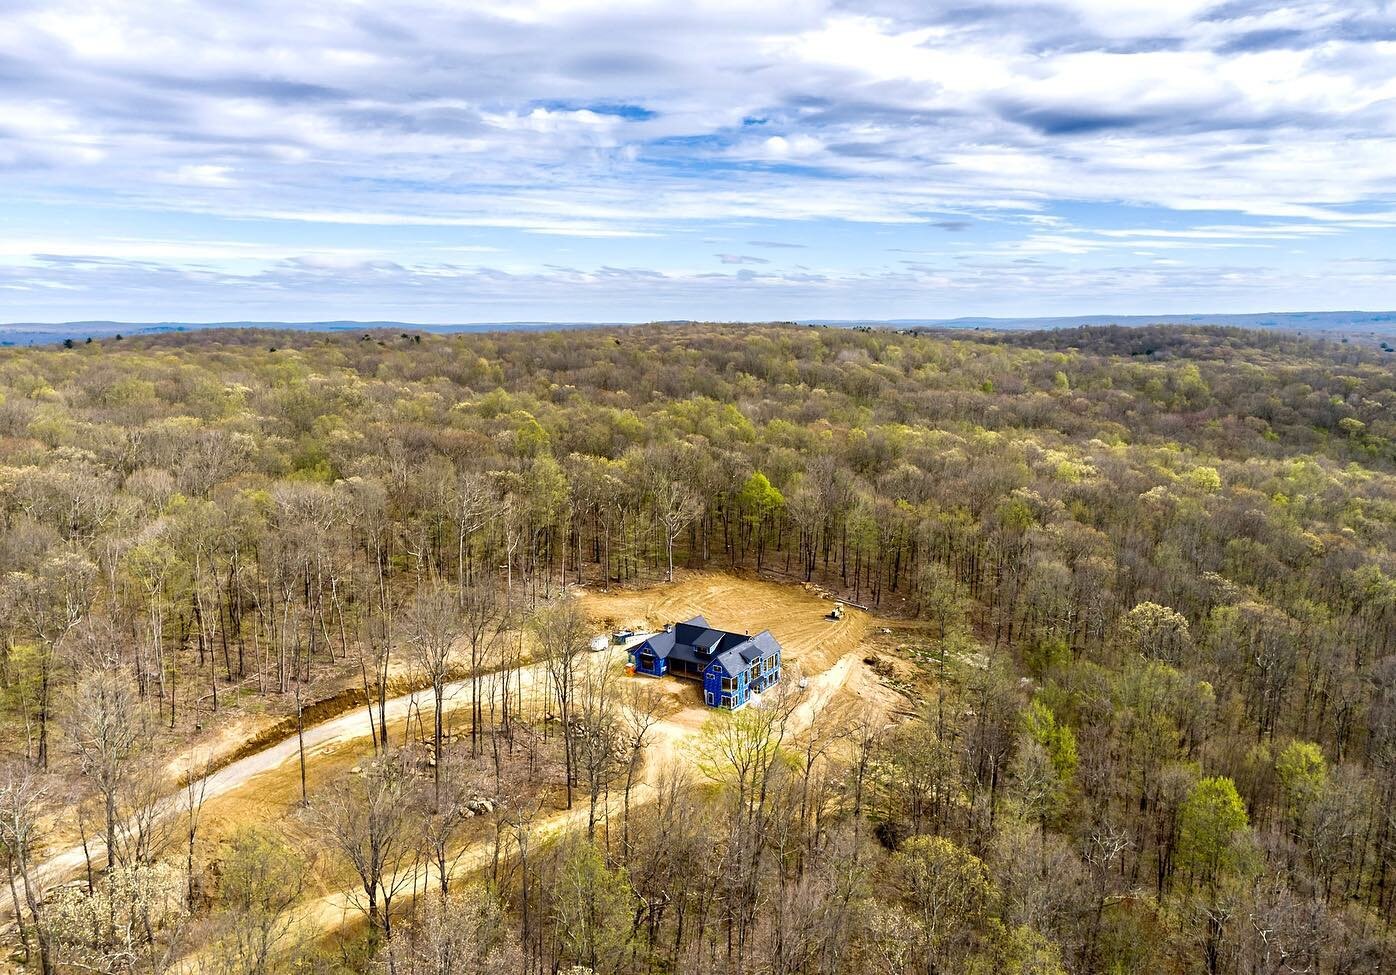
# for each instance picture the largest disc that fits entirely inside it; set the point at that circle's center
(441, 161)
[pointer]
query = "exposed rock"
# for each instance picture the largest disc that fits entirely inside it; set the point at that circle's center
(480, 806)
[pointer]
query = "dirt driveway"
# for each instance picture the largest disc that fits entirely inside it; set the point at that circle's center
(825, 652)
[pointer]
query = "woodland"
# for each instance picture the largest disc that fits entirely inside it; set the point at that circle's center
(1131, 591)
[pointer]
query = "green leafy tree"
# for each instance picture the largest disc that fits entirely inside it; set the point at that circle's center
(259, 883)
(1056, 738)
(760, 502)
(949, 892)
(1212, 830)
(1303, 772)
(592, 907)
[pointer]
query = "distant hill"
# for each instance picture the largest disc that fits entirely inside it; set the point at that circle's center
(1307, 321)
(38, 333)
(1377, 323)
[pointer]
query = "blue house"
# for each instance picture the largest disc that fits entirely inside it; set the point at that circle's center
(732, 666)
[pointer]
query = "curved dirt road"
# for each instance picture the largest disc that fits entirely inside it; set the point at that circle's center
(825, 650)
(334, 911)
(353, 725)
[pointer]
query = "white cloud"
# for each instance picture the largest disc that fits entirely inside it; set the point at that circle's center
(203, 175)
(603, 123)
(309, 287)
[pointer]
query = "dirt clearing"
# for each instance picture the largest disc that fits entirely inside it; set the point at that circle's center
(794, 614)
(265, 786)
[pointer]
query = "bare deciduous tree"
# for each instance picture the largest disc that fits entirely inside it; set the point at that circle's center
(639, 709)
(465, 933)
(21, 798)
(676, 504)
(599, 736)
(369, 820)
(105, 730)
(480, 621)
(562, 636)
(47, 605)
(434, 625)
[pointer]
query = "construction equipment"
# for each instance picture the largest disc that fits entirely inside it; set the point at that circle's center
(836, 613)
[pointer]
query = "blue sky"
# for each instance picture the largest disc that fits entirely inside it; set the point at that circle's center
(439, 161)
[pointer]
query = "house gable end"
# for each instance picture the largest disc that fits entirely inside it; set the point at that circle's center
(731, 666)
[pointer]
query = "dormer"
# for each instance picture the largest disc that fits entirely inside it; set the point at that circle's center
(708, 642)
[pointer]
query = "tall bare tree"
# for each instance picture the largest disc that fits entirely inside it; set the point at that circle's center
(433, 626)
(22, 795)
(369, 820)
(639, 713)
(562, 635)
(481, 620)
(599, 734)
(676, 503)
(47, 605)
(106, 733)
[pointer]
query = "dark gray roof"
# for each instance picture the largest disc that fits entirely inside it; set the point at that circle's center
(696, 642)
(763, 644)
(733, 661)
(708, 640)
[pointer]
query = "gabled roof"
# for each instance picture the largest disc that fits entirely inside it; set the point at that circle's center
(732, 662)
(761, 645)
(660, 644)
(708, 640)
(698, 643)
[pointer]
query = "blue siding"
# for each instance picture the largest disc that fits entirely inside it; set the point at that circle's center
(721, 689)
(770, 673)
(729, 698)
(647, 663)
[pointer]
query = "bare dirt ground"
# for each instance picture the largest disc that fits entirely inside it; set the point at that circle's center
(794, 614)
(265, 786)
(847, 682)
(828, 655)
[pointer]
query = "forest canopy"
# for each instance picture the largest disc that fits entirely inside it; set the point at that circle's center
(1151, 718)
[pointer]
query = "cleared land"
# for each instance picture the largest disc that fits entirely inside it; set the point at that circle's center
(793, 613)
(828, 654)
(265, 786)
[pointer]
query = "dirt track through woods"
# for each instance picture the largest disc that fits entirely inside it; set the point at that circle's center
(336, 911)
(352, 726)
(827, 652)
